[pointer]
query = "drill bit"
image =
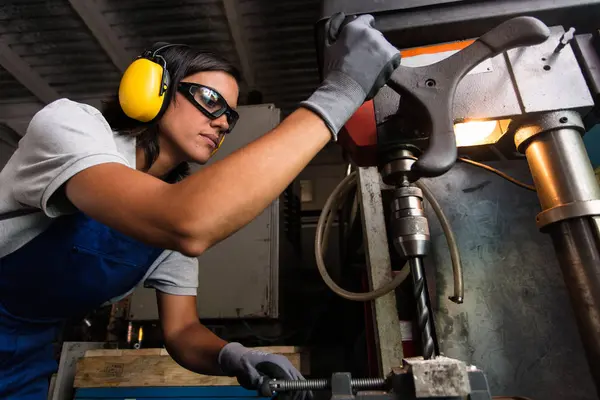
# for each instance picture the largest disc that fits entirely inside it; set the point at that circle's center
(423, 314)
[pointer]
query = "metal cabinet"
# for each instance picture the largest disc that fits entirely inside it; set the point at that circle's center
(238, 278)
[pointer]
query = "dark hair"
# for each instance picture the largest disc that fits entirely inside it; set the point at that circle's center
(181, 61)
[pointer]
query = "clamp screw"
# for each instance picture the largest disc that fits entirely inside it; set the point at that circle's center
(565, 39)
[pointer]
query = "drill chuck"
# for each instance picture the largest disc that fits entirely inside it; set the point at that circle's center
(409, 224)
(411, 240)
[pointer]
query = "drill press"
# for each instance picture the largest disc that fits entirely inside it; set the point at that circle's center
(414, 137)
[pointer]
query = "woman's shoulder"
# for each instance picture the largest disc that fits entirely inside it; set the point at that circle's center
(65, 109)
(69, 104)
(65, 122)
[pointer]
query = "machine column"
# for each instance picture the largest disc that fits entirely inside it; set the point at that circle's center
(570, 199)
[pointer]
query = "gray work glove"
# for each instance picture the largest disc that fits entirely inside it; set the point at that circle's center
(358, 61)
(253, 367)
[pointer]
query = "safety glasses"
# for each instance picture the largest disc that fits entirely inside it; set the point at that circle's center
(209, 102)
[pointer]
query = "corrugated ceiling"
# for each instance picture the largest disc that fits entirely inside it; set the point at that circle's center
(12, 91)
(281, 41)
(56, 43)
(50, 37)
(139, 23)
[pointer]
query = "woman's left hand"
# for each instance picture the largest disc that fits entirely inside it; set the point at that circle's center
(252, 367)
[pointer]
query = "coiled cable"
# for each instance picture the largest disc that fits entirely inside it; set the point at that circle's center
(324, 226)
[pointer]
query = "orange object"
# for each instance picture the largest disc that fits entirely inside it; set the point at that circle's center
(437, 48)
(359, 136)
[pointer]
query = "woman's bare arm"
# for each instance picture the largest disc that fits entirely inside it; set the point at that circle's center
(209, 205)
(189, 342)
(218, 200)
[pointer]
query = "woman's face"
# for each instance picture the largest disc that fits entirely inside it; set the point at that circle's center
(185, 130)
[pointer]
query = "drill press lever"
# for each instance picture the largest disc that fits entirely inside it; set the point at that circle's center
(433, 86)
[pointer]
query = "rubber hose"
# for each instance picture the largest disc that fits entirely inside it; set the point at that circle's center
(325, 221)
(459, 291)
(499, 173)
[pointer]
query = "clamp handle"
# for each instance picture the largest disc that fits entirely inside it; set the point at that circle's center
(433, 86)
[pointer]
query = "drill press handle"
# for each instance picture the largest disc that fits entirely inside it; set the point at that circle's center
(433, 86)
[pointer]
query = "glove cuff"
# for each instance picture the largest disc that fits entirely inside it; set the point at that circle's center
(336, 100)
(229, 358)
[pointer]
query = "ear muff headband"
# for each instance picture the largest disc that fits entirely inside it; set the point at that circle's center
(144, 87)
(219, 145)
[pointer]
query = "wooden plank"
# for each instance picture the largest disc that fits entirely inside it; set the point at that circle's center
(51, 387)
(70, 355)
(126, 352)
(388, 335)
(163, 352)
(154, 367)
(236, 28)
(23, 72)
(102, 31)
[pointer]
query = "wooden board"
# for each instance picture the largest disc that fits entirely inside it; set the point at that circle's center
(154, 367)
(70, 355)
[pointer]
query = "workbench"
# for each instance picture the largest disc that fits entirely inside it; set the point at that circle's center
(170, 393)
(153, 374)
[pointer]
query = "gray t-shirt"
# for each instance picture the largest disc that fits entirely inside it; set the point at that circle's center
(65, 138)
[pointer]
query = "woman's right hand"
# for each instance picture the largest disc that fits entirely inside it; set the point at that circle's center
(358, 61)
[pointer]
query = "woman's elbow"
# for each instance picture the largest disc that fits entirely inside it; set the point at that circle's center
(179, 356)
(191, 246)
(190, 237)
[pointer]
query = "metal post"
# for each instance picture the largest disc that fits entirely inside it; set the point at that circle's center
(387, 324)
(579, 258)
(558, 160)
(570, 199)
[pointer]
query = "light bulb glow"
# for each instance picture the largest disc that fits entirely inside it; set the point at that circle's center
(474, 133)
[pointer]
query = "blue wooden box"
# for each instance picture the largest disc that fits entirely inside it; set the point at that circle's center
(166, 393)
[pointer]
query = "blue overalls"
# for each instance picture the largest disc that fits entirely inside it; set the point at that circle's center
(73, 267)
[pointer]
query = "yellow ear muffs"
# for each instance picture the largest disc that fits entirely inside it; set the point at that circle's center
(218, 146)
(144, 87)
(142, 90)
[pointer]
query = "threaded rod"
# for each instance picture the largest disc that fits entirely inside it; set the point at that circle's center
(323, 384)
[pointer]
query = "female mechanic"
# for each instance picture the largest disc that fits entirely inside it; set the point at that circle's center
(93, 204)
